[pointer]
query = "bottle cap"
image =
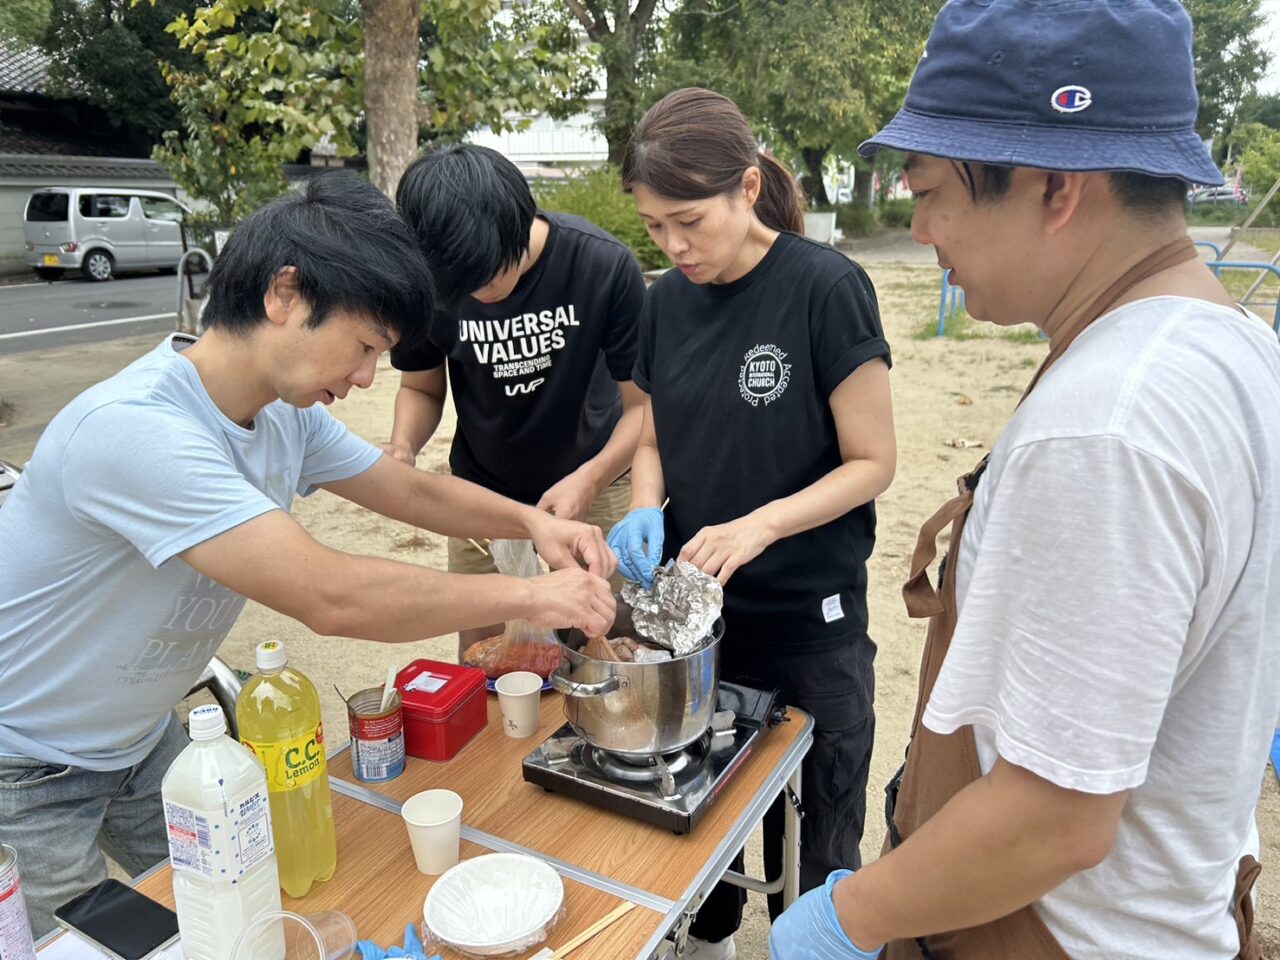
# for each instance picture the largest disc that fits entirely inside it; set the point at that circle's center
(271, 655)
(206, 722)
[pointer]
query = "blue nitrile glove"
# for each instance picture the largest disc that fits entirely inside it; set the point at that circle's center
(628, 538)
(810, 930)
(412, 948)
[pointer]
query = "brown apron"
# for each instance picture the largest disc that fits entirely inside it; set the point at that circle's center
(938, 767)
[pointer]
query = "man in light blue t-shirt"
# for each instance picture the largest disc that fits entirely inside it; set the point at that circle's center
(157, 501)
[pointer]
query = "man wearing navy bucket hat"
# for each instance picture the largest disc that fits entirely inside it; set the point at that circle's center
(1101, 677)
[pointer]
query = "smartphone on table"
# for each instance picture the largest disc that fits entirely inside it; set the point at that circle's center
(120, 921)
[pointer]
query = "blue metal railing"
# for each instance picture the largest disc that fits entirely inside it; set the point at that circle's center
(952, 296)
(1219, 265)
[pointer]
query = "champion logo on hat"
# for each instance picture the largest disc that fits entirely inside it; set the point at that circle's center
(1072, 99)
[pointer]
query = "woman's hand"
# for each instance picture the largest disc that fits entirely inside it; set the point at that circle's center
(720, 550)
(571, 497)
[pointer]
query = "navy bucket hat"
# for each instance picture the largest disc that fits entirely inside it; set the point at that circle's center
(1080, 85)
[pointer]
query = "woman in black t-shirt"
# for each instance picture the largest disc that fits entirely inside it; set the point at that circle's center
(768, 423)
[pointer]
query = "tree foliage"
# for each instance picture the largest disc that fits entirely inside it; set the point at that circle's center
(280, 76)
(108, 53)
(1230, 59)
(1258, 155)
(24, 22)
(623, 34)
(816, 77)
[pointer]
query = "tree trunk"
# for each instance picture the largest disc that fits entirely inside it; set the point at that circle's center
(391, 51)
(863, 177)
(620, 97)
(815, 186)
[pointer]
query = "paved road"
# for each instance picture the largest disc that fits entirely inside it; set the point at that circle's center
(38, 316)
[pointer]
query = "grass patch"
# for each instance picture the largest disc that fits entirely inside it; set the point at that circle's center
(1269, 242)
(6, 412)
(961, 326)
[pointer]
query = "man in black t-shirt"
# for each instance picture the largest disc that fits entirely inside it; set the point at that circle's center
(538, 332)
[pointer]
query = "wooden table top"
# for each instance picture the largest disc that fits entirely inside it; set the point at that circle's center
(379, 886)
(497, 801)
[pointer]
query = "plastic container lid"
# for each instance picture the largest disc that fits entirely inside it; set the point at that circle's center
(271, 655)
(206, 722)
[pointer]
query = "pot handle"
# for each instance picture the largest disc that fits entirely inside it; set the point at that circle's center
(562, 684)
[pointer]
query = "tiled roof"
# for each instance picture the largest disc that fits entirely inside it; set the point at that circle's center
(53, 167)
(22, 70)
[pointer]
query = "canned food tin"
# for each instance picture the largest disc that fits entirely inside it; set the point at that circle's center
(377, 736)
(15, 929)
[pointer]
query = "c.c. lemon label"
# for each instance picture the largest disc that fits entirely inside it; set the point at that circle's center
(291, 763)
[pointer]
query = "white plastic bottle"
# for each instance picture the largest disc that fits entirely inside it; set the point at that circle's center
(219, 824)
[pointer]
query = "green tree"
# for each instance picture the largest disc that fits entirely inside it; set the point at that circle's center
(1230, 59)
(622, 33)
(285, 74)
(816, 77)
(108, 53)
(1260, 108)
(1258, 153)
(24, 22)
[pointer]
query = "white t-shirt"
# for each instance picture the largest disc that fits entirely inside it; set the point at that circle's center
(103, 627)
(1118, 591)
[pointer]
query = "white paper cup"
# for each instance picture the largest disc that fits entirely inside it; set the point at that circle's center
(518, 695)
(434, 821)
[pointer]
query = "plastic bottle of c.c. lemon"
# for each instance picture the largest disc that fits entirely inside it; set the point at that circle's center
(219, 824)
(279, 716)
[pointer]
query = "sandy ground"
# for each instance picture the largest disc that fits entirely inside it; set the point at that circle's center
(944, 390)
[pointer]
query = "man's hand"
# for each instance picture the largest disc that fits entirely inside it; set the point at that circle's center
(570, 498)
(810, 930)
(720, 550)
(571, 598)
(399, 451)
(563, 543)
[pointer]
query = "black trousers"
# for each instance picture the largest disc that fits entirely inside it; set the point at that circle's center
(837, 689)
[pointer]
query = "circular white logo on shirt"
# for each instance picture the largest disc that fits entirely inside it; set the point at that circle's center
(763, 375)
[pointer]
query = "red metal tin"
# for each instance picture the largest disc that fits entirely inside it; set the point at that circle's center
(444, 707)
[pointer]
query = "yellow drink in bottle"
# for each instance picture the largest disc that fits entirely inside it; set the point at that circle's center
(279, 716)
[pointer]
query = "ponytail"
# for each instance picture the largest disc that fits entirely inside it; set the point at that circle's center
(694, 144)
(781, 204)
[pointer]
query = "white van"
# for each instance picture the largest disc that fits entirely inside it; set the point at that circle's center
(101, 231)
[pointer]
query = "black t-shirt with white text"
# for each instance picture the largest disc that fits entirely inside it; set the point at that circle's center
(740, 377)
(535, 377)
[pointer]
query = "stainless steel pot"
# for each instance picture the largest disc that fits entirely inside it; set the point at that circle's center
(639, 709)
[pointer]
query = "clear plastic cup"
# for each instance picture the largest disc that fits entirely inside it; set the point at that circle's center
(282, 935)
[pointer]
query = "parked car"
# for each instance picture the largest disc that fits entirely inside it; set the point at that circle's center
(101, 231)
(1217, 196)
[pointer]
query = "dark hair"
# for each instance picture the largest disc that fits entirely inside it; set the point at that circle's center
(471, 210)
(1140, 193)
(695, 143)
(352, 252)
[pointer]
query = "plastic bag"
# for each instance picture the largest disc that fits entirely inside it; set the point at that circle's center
(522, 646)
(493, 905)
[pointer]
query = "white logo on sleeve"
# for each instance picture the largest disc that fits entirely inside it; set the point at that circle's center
(831, 609)
(763, 375)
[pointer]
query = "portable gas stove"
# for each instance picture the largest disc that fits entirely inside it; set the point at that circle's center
(674, 790)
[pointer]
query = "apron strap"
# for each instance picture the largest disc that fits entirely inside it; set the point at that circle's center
(1242, 902)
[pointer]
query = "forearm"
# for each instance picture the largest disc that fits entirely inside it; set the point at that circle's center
(618, 453)
(367, 598)
(458, 508)
(417, 415)
(648, 488)
(848, 486)
(988, 852)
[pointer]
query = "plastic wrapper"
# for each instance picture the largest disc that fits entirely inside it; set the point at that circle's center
(679, 611)
(494, 905)
(522, 646)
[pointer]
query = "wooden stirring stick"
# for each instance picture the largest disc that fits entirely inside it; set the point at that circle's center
(617, 913)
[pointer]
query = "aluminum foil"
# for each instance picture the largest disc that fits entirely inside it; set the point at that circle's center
(680, 609)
